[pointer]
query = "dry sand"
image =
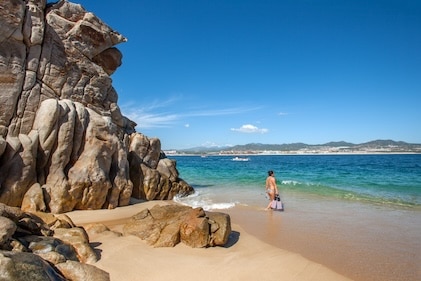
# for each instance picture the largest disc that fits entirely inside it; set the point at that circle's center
(244, 257)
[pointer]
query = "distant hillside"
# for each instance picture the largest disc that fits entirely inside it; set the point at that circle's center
(269, 147)
(388, 143)
(338, 146)
(203, 149)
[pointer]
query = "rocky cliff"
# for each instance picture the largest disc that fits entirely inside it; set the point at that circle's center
(64, 143)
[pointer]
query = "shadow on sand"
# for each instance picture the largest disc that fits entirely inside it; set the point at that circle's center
(232, 239)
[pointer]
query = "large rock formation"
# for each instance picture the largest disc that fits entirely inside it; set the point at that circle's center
(166, 226)
(64, 143)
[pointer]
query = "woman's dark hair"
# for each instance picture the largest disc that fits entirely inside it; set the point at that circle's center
(270, 172)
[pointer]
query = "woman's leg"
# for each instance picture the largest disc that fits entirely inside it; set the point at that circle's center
(271, 198)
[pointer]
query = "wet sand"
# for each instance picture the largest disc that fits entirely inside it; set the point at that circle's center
(358, 240)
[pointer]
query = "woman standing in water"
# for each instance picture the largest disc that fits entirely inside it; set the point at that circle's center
(271, 188)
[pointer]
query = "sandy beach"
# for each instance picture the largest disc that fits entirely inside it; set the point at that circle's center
(338, 241)
(245, 257)
(360, 241)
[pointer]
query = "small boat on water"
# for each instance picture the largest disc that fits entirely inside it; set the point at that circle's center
(243, 159)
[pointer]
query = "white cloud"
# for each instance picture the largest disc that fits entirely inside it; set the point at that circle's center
(250, 129)
(209, 144)
(151, 115)
(282, 113)
(154, 116)
(148, 120)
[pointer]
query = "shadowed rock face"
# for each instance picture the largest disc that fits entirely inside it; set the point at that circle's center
(64, 143)
(43, 246)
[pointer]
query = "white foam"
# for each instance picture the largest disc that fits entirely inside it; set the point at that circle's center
(290, 182)
(197, 200)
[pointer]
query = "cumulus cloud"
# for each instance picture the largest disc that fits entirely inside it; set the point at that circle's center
(250, 129)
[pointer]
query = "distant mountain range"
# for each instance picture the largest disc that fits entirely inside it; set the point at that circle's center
(338, 146)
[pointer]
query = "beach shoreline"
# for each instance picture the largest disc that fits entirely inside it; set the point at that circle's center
(243, 258)
(341, 245)
(357, 240)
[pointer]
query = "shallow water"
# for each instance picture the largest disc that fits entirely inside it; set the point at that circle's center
(393, 180)
(360, 215)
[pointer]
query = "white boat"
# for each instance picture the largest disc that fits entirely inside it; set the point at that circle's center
(240, 159)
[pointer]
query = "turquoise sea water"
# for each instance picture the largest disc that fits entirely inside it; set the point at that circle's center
(392, 180)
(357, 214)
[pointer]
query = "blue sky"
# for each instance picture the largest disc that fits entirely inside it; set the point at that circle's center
(225, 72)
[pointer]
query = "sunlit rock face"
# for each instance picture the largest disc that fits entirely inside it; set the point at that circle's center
(64, 143)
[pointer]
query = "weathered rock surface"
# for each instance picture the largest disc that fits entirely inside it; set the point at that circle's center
(80, 271)
(64, 144)
(17, 266)
(30, 246)
(166, 226)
